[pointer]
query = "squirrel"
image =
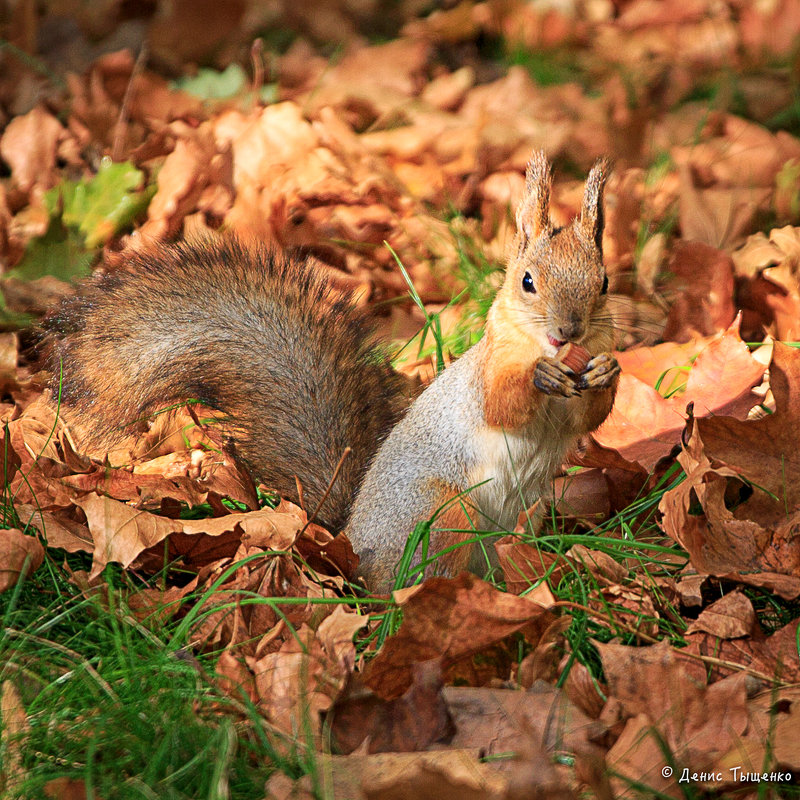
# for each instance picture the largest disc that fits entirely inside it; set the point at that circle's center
(298, 375)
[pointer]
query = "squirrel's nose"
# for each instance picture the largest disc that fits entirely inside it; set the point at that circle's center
(571, 329)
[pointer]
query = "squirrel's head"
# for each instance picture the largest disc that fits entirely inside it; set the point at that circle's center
(555, 285)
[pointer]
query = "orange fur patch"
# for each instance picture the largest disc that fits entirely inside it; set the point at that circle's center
(596, 407)
(510, 399)
(451, 527)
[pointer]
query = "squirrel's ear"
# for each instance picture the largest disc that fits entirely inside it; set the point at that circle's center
(591, 220)
(533, 214)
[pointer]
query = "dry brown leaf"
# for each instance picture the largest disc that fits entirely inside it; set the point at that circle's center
(68, 789)
(730, 617)
(771, 28)
(161, 604)
(360, 720)
(583, 690)
(20, 555)
(632, 605)
(637, 760)
(771, 657)
(193, 31)
(450, 618)
(298, 682)
(644, 426)
(121, 533)
(544, 662)
(234, 678)
(524, 564)
(689, 590)
(651, 682)
(703, 279)
(28, 145)
(447, 91)
(772, 736)
(583, 496)
(541, 719)
(758, 536)
(193, 165)
(662, 363)
(744, 154)
(442, 775)
(58, 529)
(13, 724)
(772, 267)
(603, 566)
(336, 633)
(371, 83)
(719, 543)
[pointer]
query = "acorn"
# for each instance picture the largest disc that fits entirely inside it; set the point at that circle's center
(574, 356)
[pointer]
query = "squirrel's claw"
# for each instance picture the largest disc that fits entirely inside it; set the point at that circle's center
(554, 378)
(600, 372)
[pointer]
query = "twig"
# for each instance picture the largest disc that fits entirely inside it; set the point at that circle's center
(717, 662)
(346, 453)
(122, 121)
(257, 58)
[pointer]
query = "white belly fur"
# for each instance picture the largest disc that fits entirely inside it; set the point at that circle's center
(518, 467)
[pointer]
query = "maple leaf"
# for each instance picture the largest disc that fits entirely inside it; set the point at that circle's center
(644, 426)
(759, 535)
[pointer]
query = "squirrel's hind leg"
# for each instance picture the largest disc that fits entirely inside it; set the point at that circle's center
(380, 558)
(452, 527)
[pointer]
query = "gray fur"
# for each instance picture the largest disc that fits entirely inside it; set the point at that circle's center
(457, 448)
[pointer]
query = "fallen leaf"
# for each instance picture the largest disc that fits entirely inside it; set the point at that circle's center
(541, 719)
(656, 690)
(450, 618)
(730, 617)
(57, 529)
(771, 740)
(28, 146)
(758, 535)
(771, 657)
(298, 682)
(336, 633)
(68, 789)
(121, 533)
(194, 164)
(637, 759)
(443, 775)
(702, 278)
(361, 720)
(234, 678)
(20, 555)
(644, 427)
(524, 565)
(13, 725)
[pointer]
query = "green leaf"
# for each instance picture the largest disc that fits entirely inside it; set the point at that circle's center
(103, 205)
(59, 253)
(209, 84)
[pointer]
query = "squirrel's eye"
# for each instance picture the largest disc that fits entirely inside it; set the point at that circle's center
(527, 283)
(605, 285)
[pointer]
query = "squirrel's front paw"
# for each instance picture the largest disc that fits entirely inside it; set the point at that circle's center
(554, 378)
(600, 372)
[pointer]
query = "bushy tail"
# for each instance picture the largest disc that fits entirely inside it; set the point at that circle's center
(243, 330)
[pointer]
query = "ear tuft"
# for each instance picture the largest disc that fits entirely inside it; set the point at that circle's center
(591, 220)
(533, 214)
